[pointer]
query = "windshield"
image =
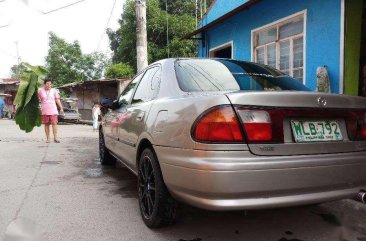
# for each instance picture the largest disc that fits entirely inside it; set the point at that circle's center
(230, 75)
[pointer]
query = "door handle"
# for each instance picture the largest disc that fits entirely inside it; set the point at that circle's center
(140, 116)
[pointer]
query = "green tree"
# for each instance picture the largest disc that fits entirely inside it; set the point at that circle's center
(180, 7)
(17, 71)
(181, 21)
(66, 62)
(120, 70)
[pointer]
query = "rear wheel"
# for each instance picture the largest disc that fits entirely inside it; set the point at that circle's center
(157, 206)
(105, 157)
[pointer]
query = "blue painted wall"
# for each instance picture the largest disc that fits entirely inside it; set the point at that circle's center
(323, 32)
(221, 7)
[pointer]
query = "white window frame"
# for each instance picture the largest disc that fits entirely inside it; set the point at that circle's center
(278, 23)
(222, 46)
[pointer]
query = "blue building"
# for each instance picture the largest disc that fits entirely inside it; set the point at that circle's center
(295, 36)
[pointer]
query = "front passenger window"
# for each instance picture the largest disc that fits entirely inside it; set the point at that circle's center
(126, 95)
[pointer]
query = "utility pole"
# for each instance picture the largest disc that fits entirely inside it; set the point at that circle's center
(141, 40)
(18, 60)
(167, 26)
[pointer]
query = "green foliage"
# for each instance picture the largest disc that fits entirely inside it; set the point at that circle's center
(120, 70)
(17, 70)
(66, 62)
(64, 94)
(31, 76)
(181, 18)
(29, 116)
(28, 113)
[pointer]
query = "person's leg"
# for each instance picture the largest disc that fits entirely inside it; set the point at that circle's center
(95, 124)
(47, 130)
(54, 130)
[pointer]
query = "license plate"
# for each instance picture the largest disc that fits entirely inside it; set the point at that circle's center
(316, 131)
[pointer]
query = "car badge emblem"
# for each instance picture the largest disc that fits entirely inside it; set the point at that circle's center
(322, 102)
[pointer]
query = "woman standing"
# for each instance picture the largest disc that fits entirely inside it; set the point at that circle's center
(96, 113)
(48, 98)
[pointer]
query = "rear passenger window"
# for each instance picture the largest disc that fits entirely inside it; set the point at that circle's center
(148, 86)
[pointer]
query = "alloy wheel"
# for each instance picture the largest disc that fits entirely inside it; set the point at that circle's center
(146, 187)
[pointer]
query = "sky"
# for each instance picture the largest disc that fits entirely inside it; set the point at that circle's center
(24, 25)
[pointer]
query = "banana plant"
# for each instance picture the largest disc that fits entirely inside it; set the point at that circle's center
(28, 113)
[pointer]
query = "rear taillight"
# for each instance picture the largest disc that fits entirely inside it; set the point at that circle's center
(356, 125)
(362, 127)
(257, 125)
(219, 124)
(363, 132)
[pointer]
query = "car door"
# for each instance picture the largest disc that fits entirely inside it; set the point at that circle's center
(114, 118)
(137, 112)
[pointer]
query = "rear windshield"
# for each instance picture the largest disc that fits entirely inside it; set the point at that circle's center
(230, 75)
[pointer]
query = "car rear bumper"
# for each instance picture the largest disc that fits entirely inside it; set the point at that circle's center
(229, 180)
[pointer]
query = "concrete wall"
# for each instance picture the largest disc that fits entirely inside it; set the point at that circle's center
(323, 31)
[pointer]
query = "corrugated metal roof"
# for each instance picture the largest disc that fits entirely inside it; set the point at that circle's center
(9, 81)
(91, 82)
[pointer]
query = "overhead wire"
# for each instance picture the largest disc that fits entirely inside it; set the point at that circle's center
(63, 7)
(109, 19)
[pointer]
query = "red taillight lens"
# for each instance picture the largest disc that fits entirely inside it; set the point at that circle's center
(257, 125)
(356, 125)
(363, 128)
(363, 132)
(258, 131)
(218, 125)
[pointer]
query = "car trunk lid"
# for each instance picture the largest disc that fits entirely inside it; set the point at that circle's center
(300, 123)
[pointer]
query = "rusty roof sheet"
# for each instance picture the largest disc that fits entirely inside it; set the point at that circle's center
(91, 82)
(9, 81)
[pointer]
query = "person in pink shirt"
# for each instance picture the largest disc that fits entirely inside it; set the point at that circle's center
(49, 97)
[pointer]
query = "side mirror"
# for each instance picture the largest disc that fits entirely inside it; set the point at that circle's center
(107, 103)
(115, 105)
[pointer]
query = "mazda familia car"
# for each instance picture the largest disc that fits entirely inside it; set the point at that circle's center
(222, 134)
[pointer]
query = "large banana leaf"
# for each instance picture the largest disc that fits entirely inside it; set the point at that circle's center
(21, 94)
(31, 88)
(28, 112)
(38, 70)
(30, 115)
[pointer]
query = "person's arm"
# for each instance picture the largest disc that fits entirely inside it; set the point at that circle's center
(58, 102)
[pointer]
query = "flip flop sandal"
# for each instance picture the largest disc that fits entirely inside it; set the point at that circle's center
(48, 141)
(56, 141)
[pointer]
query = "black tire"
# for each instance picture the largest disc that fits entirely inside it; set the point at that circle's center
(105, 157)
(157, 206)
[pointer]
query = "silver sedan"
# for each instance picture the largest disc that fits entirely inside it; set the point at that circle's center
(222, 134)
